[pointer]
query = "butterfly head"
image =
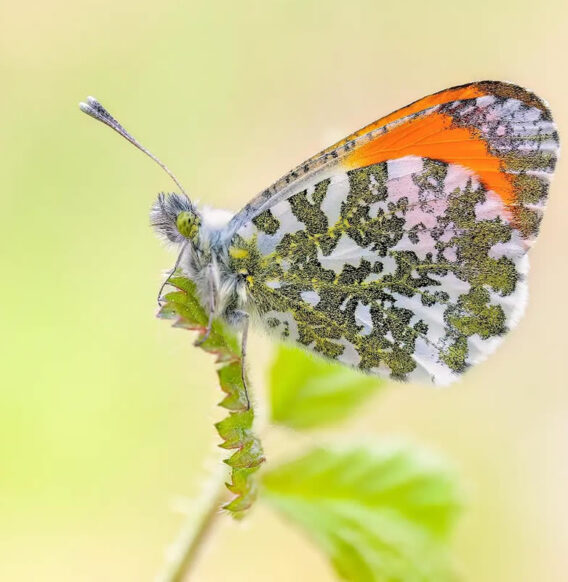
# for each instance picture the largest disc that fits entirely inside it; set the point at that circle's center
(187, 224)
(175, 219)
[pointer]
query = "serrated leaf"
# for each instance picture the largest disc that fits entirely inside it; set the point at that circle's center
(307, 392)
(380, 513)
(235, 429)
(248, 456)
(184, 307)
(232, 384)
(242, 481)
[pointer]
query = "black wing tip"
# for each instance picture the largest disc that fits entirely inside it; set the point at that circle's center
(508, 90)
(512, 91)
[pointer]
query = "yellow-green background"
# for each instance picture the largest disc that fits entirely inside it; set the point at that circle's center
(106, 413)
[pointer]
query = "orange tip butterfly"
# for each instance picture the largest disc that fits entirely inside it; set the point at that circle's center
(400, 250)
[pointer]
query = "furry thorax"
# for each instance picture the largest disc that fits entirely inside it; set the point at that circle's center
(203, 253)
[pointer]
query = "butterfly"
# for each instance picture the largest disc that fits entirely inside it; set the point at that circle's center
(400, 250)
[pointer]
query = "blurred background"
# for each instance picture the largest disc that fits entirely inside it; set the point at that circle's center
(106, 414)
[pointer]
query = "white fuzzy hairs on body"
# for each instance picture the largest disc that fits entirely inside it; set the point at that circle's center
(205, 260)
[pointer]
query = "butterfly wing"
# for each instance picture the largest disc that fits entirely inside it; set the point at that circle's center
(401, 250)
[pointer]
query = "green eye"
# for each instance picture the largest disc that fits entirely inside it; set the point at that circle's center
(187, 224)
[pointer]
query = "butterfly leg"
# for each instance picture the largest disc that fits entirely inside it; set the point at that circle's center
(170, 275)
(212, 306)
(244, 341)
(163, 285)
(240, 320)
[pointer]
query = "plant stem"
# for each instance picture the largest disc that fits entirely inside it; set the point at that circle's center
(181, 556)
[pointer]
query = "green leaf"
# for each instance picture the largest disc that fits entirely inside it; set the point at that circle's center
(306, 391)
(381, 513)
(184, 307)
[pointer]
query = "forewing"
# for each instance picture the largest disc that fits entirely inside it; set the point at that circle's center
(406, 255)
(496, 128)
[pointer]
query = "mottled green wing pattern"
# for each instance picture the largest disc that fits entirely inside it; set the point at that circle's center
(413, 267)
(399, 281)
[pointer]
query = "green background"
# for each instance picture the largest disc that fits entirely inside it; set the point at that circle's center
(106, 414)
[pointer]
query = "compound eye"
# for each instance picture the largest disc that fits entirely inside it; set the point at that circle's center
(186, 224)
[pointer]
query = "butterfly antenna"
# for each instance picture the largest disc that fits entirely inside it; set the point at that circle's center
(93, 108)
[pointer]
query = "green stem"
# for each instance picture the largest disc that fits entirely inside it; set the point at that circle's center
(182, 556)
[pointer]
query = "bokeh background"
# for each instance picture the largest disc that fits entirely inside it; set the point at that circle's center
(106, 413)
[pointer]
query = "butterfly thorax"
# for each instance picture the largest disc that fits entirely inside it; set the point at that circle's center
(205, 254)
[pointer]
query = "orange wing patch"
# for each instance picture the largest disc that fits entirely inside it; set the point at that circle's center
(436, 136)
(459, 93)
(455, 93)
(500, 132)
(447, 96)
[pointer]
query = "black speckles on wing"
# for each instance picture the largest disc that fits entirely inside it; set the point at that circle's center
(411, 267)
(266, 222)
(416, 276)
